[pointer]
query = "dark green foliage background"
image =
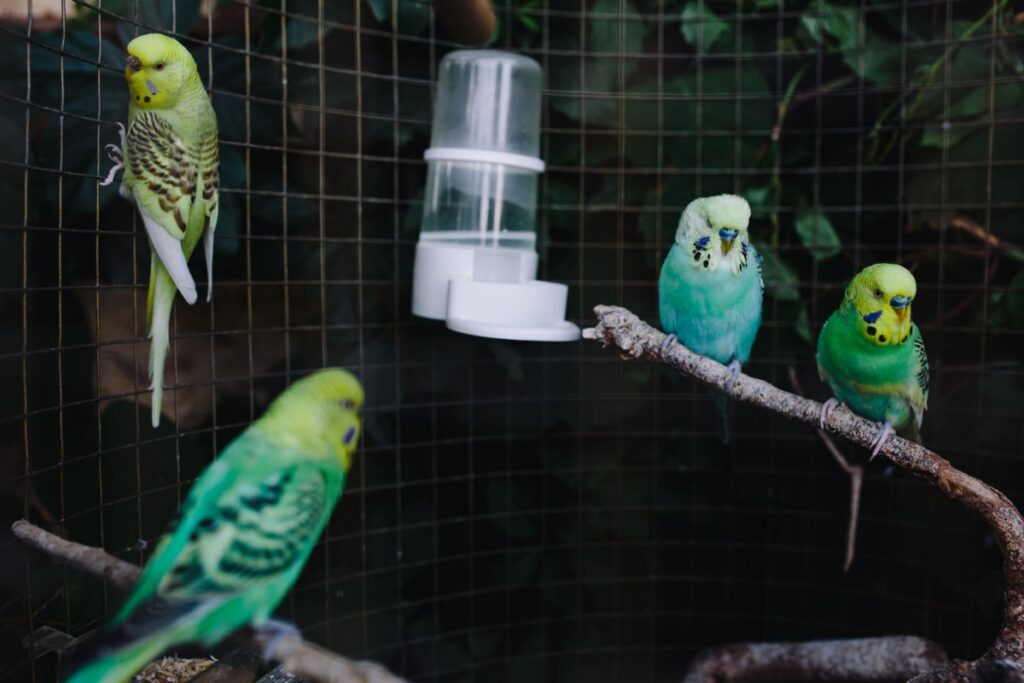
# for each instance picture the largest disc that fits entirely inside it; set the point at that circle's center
(532, 511)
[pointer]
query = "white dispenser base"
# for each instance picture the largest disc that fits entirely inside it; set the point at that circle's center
(489, 292)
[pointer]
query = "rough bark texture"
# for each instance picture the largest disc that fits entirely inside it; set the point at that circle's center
(619, 327)
(299, 657)
(96, 561)
(863, 660)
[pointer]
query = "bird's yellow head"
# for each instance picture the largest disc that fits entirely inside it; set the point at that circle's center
(320, 412)
(158, 70)
(715, 223)
(881, 296)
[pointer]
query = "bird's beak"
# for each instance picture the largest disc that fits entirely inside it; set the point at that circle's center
(132, 66)
(727, 236)
(901, 306)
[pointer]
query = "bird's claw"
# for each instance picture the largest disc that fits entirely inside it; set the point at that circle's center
(826, 409)
(274, 631)
(667, 343)
(734, 372)
(116, 154)
(885, 433)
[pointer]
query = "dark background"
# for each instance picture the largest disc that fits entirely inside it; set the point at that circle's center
(524, 511)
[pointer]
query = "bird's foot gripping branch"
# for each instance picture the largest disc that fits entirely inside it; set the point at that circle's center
(636, 339)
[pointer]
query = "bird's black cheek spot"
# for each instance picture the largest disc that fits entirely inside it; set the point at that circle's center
(696, 256)
(147, 98)
(349, 435)
(705, 264)
(137, 98)
(871, 330)
(881, 337)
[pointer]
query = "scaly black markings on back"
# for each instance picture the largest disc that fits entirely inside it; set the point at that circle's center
(923, 379)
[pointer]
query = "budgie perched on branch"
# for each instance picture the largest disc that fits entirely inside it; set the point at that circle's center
(170, 159)
(245, 530)
(710, 289)
(872, 354)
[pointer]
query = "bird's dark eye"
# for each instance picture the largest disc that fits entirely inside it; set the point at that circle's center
(878, 293)
(160, 66)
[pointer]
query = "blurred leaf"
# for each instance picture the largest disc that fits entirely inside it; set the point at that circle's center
(780, 280)
(822, 20)
(803, 325)
(865, 52)
(700, 26)
(756, 197)
(817, 234)
(604, 33)
(301, 33)
(603, 74)
(381, 9)
(944, 136)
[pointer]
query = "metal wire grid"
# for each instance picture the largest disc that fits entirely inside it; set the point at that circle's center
(419, 569)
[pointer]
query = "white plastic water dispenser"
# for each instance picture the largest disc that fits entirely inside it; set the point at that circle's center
(476, 260)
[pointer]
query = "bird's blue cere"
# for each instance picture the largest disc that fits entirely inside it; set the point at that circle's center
(727, 234)
(870, 318)
(900, 301)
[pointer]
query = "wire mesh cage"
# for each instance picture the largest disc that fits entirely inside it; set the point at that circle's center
(522, 511)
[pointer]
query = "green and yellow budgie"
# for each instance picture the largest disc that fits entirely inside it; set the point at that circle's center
(170, 159)
(244, 532)
(872, 355)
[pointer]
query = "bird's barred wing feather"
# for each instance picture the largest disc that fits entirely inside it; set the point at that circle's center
(256, 533)
(164, 173)
(209, 168)
(240, 525)
(918, 383)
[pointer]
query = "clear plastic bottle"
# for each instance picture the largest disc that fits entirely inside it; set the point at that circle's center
(487, 107)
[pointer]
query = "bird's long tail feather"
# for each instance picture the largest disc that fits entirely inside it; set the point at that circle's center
(161, 298)
(722, 406)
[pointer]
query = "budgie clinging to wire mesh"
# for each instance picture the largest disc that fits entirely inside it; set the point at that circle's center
(170, 158)
(872, 355)
(245, 530)
(710, 289)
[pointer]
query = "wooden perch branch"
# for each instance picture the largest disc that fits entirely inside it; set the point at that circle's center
(619, 327)
(865, 660)
(303, 659)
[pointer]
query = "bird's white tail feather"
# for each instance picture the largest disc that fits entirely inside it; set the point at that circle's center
(160, 335)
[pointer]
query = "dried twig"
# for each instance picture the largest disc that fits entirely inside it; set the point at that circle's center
(971, 227)
(304, 659)
(865, 660)
(619, 327)
(855, 472)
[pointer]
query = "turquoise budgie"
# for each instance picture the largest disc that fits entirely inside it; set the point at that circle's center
(245, 530)
(709, 295)
(872, 355)
(170, 160)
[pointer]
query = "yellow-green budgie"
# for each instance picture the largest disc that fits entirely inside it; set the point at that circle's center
(170, 158)
(872, 355)
(244, 532)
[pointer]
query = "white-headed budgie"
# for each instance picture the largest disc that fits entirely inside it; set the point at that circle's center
(710, 289)
(872, 354)
(244, 532)
(170, 160)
